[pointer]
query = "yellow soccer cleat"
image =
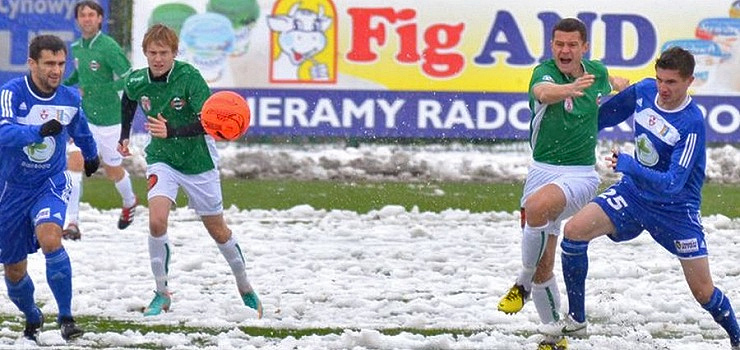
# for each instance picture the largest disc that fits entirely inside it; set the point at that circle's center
(561, 344)
(514, 300)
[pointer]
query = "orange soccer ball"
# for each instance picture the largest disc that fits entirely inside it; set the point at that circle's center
(225, 116)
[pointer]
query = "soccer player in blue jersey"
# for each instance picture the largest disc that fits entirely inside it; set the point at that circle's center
(660, 191)
(37, 117)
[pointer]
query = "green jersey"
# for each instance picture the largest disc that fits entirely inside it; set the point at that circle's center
(179, 98)
(564, 133)
(100, 69)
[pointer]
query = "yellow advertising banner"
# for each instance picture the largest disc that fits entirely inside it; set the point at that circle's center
(434, 45)
(433, 68)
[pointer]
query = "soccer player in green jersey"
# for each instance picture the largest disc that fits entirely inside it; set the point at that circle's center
(100, 69)
(564, 96)
(171, 93)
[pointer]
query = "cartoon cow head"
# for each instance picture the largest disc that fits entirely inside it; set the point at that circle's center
(302, 32)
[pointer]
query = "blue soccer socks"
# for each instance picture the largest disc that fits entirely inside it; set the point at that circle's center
(59, 277)
(575, 268)
(21, 294)
(721, 309)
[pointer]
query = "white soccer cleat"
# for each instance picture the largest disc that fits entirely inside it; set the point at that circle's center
(565, 327)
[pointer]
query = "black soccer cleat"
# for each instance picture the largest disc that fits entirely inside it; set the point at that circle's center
(33, 329)
(69, 329)
(127, 215)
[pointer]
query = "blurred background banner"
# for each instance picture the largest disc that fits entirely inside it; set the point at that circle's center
(20, 21)
(410, 69)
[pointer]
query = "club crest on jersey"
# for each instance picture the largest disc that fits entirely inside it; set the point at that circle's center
(94, 65)
(177, 103)
(146, 103)
(645, 150)
(568, 104)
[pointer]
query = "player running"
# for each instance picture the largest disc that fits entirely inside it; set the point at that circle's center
(660, 191)
(36, 118)
(100, 69)
(171, 93)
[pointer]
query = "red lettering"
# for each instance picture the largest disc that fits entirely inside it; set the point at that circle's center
(369, 24)
(443, 37)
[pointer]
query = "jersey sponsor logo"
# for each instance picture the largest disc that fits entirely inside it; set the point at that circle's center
(645, 150)
(658, 126)
(146, 103)
(686, 245)
(44, 114)
(42, 214)
(136, 79)
(177, 103)
(94, 65)
(40, 152)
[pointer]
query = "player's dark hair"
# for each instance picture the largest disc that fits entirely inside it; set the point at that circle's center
(676, 58)
(162, 34)
(45, 42)
(570, 25)
(91, 4)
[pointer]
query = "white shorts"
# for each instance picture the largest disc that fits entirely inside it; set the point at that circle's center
(578, 182)
(203, 190)
(106, 137)
(72, 148)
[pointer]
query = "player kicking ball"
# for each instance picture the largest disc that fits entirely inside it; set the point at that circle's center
(660, 192)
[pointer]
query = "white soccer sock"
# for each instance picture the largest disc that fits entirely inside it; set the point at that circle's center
(534, 241)
(73, 205)
(159, 256)
(233, 254)
(126, 190)
(546, 298)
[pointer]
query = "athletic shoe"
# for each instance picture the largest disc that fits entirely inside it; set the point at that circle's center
(69, 329)
(565, 327)
(514, 300)
(553, 344)
(33, 329)
(161, 302)
(72, 232)
(252, 301)
(127, 215)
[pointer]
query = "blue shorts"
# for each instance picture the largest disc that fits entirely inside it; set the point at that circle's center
(676, 227)
(21, 209)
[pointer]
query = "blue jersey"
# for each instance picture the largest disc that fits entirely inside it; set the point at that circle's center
(26, 158)
(670, 150)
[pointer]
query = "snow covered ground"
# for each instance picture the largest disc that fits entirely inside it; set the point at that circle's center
(387, 269)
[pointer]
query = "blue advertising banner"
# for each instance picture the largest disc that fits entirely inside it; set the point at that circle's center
(20, 21)
(369, 114)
